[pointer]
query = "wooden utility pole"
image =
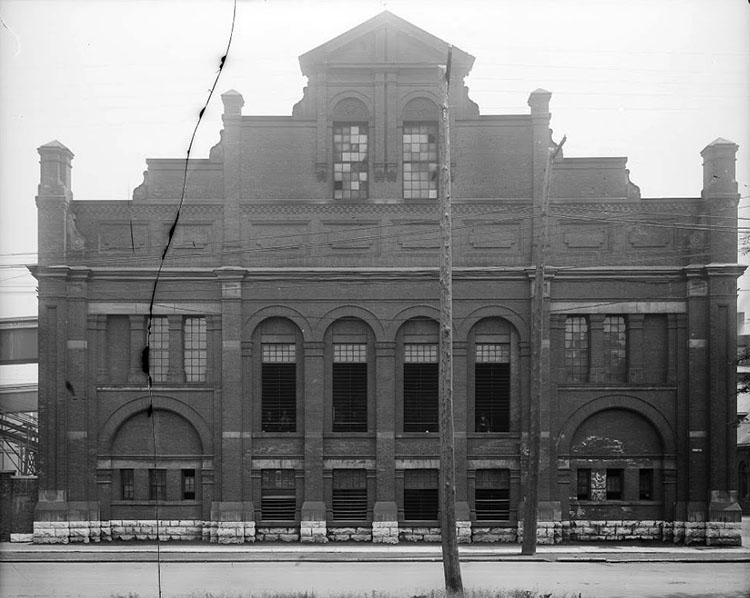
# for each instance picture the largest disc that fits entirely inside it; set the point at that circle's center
(539, 360)
(451, 564)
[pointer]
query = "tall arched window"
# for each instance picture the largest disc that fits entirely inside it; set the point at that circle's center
(420, 149)
(351, 150)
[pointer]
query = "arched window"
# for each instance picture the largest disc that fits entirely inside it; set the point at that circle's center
(420, 149)
(280, 344)
(418, 341)
(351, 150)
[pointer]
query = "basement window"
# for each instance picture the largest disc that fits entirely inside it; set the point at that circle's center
(420, 494)
(492, 387)
(492, 494)
(614, 484)
(188, 484)
(349, 387)
(127, 484)
(278, 495)
(420, 388)
(583, 484)
(349, 498)
(279, 387)
(157, 484)
(646, 484)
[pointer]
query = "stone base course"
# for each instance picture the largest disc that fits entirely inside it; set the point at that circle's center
(313, 532)
(711, 533)
(350, 534)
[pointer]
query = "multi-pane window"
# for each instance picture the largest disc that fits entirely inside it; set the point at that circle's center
(492, 387)
(350, 164)
(420, 388)
(646, 484)
(349, 387)
(279, 387)
(278, 494)
(195, 343)
(349, 495)
(577, 348)
(583, 484)
(420, 494)
(188, 484)
(157, 484)
(127, 484)
(615, 349)
(420, 145)
(614, 484)
(158, 352)
(492, 494)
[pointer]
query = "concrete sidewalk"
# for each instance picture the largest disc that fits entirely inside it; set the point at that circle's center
(347, 552)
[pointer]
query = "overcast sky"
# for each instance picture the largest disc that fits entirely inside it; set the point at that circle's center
(118, 82)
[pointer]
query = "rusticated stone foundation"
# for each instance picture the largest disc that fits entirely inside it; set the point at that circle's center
(277, 534)
(710, 533)
(350, 534)
(494, 534)
(385, 532)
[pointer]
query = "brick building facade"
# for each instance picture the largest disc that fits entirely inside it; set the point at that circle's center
(294, 327)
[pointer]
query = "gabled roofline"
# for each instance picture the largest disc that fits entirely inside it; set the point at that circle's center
(317, 55)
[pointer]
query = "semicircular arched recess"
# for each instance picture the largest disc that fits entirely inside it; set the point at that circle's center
(617, 403)
(171, 434)
(350, 109)
(421, 109)
(616, 432)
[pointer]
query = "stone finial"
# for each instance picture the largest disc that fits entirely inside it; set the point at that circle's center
(55, 161)
(539, 102)
(233, 103)
(719, 159)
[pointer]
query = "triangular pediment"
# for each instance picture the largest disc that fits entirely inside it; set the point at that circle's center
(384, 40)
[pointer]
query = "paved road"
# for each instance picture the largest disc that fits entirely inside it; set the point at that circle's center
(592, 580)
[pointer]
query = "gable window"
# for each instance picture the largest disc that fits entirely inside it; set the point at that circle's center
(349, 387)
(420, 153)
(350, 162)
(278, 495)
(577, 349)
(492, 494)
(157, 484)
(420, 494)
(492, 387)
(615, 349)
(158, 353)
(127, 484)
(420, 388)
(349, 498)
(195, 343)
(279, 387)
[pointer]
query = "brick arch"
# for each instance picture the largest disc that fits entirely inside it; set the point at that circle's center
(409, 313)
(422, 94)
(351, 94)
(349, 311)
(630, 403)
(126, 411)
(277, 311)
(492, 311)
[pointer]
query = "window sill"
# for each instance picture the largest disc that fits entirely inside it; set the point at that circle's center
(349, 435)
(435, 435)
(278, 435)
(493, 523)
(190, 386)
(482, 435)
(276, 523)
(635, 503)
(153, 503)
